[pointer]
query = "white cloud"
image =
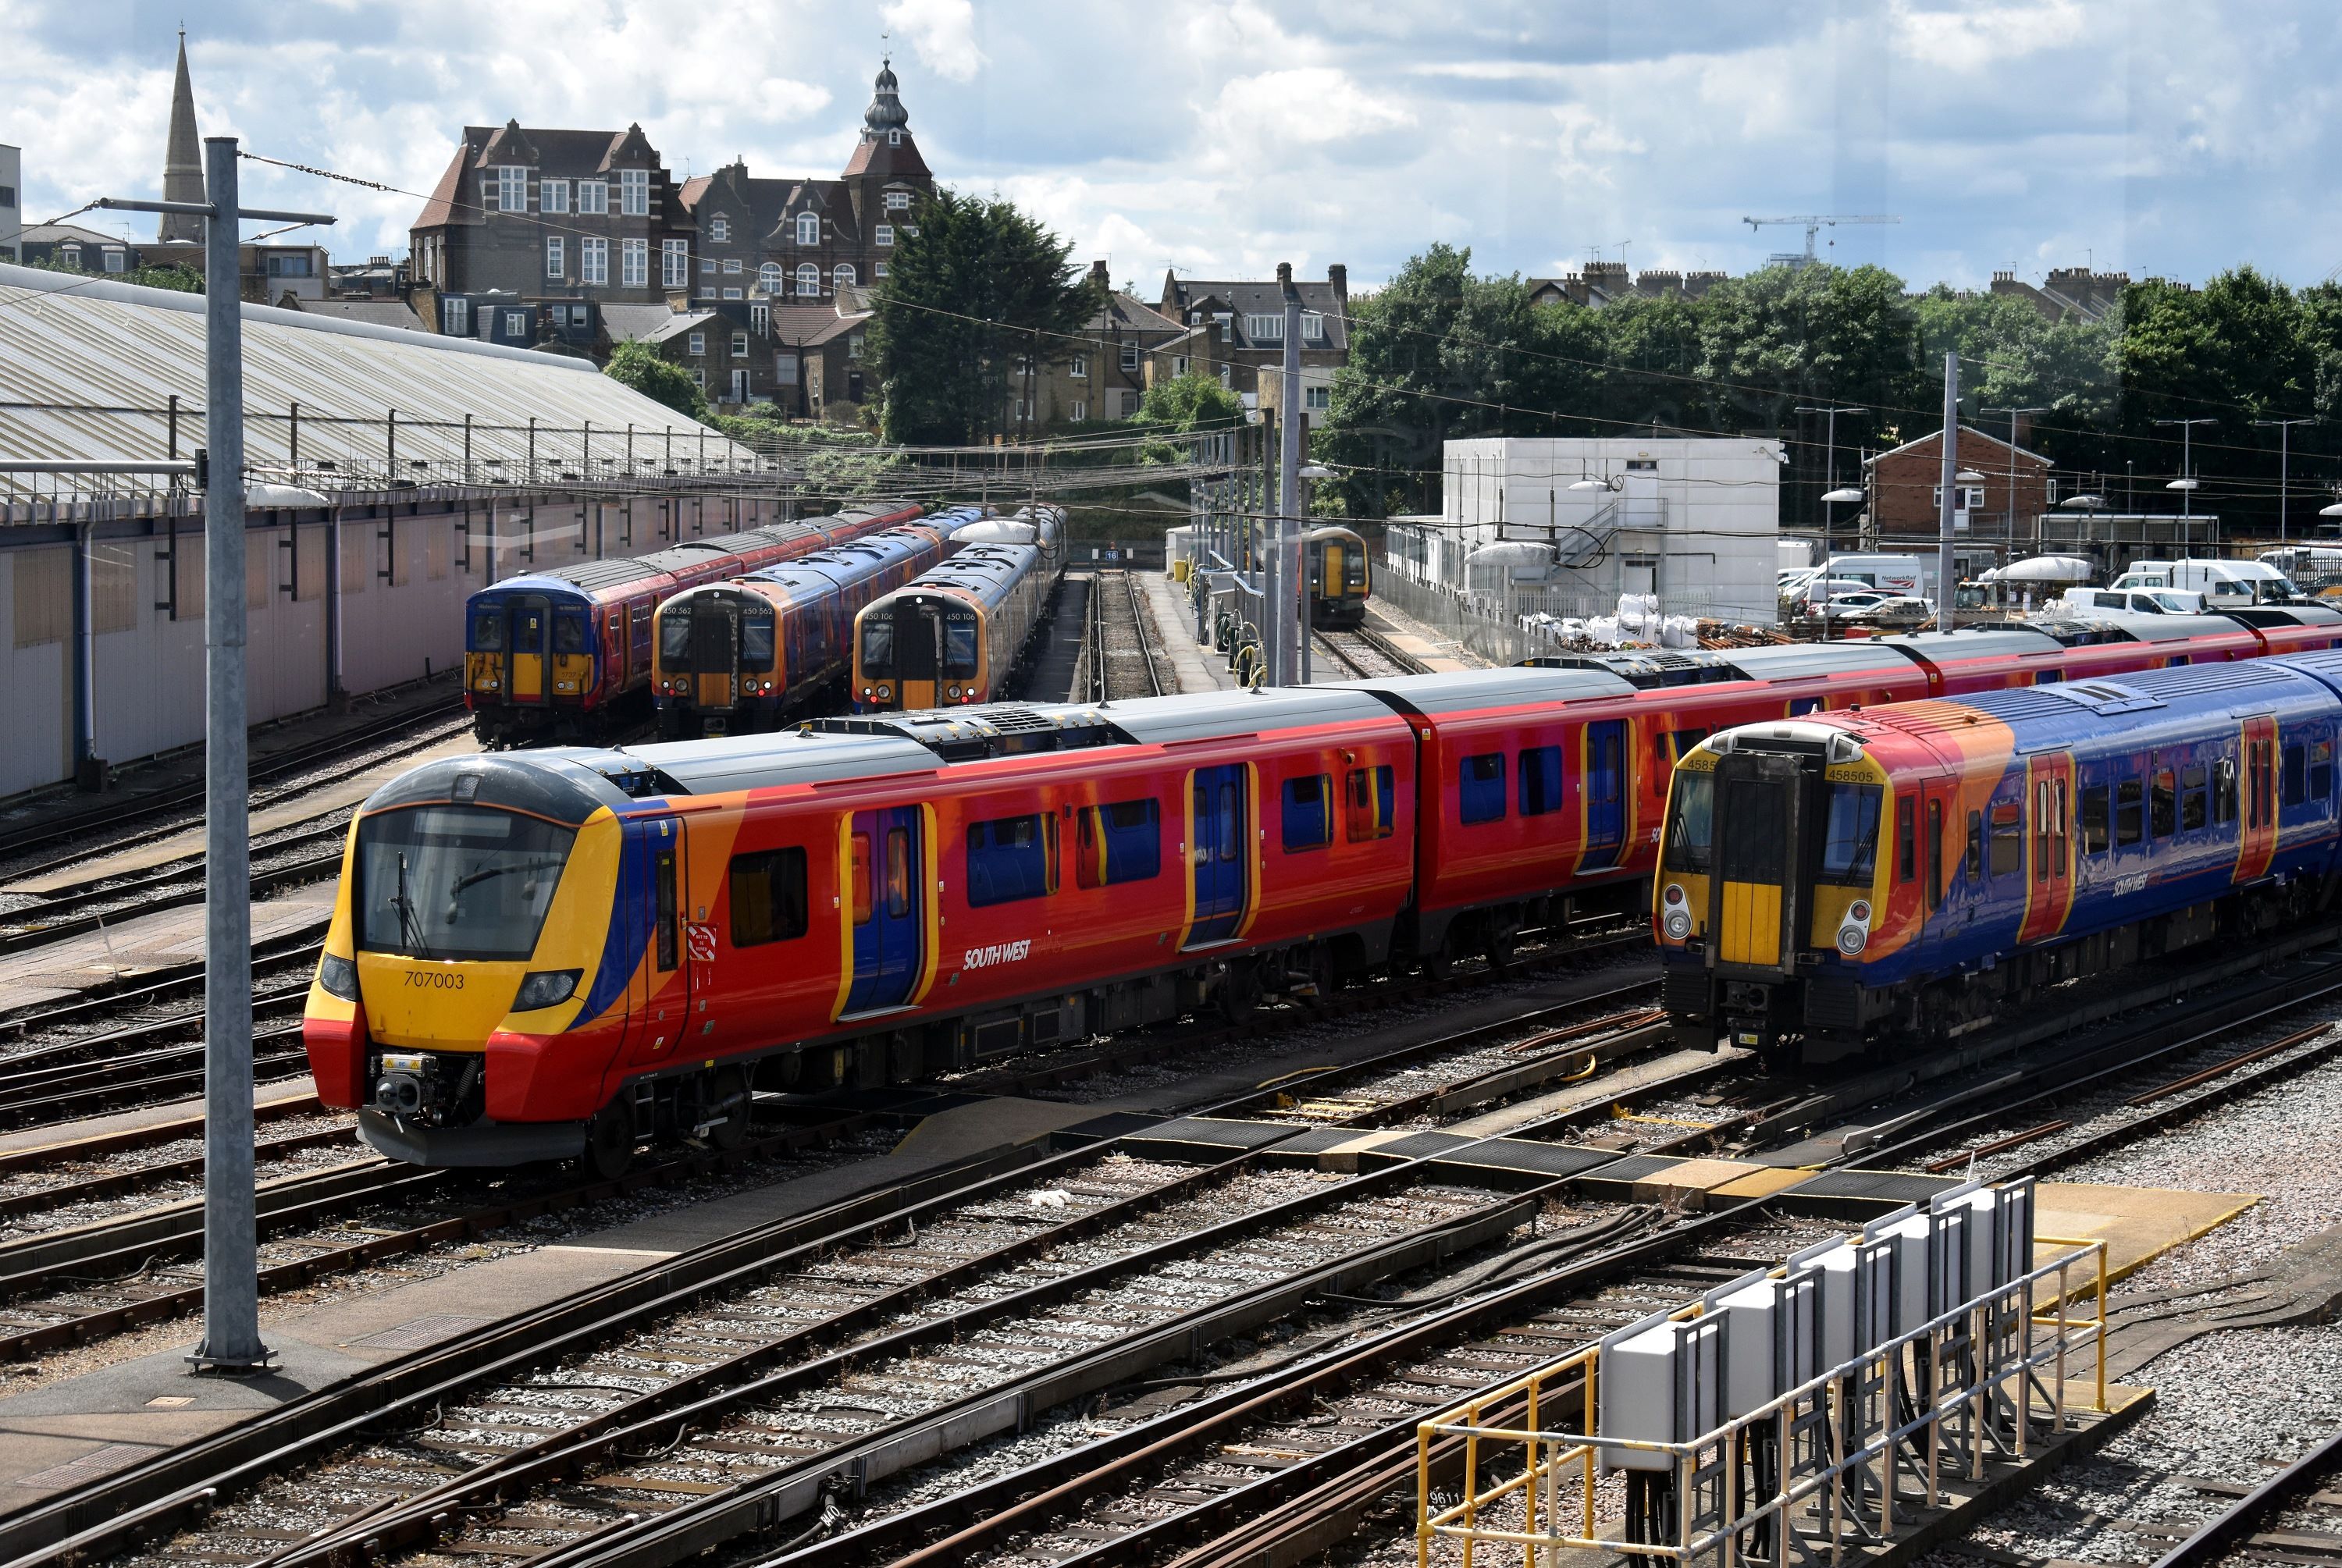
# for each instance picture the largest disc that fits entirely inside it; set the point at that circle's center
(942, 32)
(1588, 146)
(1314, 106)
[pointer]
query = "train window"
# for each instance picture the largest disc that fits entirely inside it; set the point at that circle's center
(569, 634)
(2296, 774)
(756, 642)
(2007, 839)
(1802, 705)
(768, 897)
(1935, 854)
(665, 880)
(1008, 859)
(675, 637)
(2130, 812)
(1119, 842)
(2098, 830)
(1691, 808)
(1907, 847)
(1540, 782)
(2195, 809)
(2049, 830)
(488, 632)
(899, 873)
(877, 647)
(1308, 813)
(1850, 834)
(1370, 804)
(2224, 791)
(860, 875)
(2163, 803)
(2321, 772)
(960, 645)
(1230, 819)
(1974, 860)
(1480, 787)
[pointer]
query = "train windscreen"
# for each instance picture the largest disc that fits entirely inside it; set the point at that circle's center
(1691, 824)
(675, 637)
(878, 643)
(456, 881)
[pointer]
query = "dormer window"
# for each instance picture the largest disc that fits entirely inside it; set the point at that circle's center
(808, 228)
(719, 228)
(894, 138)
(898, 201)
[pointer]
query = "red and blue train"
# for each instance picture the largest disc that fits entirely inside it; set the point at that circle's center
(560, 952)
(565, 654)
(1901, 876)
(730, 658)
(959, 632)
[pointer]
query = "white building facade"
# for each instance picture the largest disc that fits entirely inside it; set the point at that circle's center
(1566, 526)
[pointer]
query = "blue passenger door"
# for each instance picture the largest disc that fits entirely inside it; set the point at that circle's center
(884, 881)
(1217, 853)
(1604, 784)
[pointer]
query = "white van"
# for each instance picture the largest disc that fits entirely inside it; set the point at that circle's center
(2143, 600)
(2145, 575)
(1887, 574)
(2226, 584)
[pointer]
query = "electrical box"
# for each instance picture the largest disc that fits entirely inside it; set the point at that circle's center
(1772, 1330)
(1912, 1237)
(1657, 1381)
(1857, 1296)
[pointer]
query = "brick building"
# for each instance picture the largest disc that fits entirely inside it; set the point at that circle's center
(1251, 319)
(1904, 484)
(570, 226)
(2068, 292)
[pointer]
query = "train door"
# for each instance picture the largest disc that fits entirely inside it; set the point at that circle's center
(1604, 783)
(916, 658)
(1754, 895)
(659, 1007)
(883, 878)
(2050, 798)
(613, 649)
(715, 652)
(530, 639)
(1216, 852)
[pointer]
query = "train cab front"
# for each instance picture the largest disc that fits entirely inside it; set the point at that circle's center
(528, 659)
(715, 669)
(473, 989)
(1768, 891)
(916, 649)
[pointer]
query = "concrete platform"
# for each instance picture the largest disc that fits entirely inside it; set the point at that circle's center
(68, 1433)
(147, 853)
(2138, 1224)
(1198, 668)
(1420, 643)
(141, 943)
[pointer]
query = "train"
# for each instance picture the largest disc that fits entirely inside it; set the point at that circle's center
(959, 632)
(565, 654)
(557, 955)
(1888, 880)
(1340, 578)
(747, 654)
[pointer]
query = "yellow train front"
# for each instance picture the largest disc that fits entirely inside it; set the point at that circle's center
(955, 635)
(1339, 577)
(1770, 882)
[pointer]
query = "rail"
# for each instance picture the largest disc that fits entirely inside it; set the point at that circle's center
(1915, 1400)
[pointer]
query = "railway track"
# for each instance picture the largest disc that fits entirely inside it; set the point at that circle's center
(2303, 1484)
(293, 772)
(1123, 661)
(1363, 656)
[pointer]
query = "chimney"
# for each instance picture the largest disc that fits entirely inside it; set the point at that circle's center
(1283, 273)
(1339, 277)
(1099, 275)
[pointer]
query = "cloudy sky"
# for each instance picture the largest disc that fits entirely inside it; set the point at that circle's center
(2160, 136)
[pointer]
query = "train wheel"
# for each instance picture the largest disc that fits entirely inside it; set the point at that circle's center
(610, 1140)
(1240, 993)
(1499, 947)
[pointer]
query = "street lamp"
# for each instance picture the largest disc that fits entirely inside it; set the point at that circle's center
(2284, 430)
(1829, 447)
(1849, 496)
(2185, 483)
(2013, 413)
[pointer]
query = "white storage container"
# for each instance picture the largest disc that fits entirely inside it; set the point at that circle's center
(1658, 1382)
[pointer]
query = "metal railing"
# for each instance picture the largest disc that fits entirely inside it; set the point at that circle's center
(1795, 1479)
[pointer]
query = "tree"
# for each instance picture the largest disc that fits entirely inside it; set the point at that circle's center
(656, 377)
(175, 278)
(1184, 404)
(977, 291)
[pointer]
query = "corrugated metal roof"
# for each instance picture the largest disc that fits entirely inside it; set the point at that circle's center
(106, 357)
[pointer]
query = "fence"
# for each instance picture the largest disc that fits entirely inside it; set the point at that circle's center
(1819, 1467)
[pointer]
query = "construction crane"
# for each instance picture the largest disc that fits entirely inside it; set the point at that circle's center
(1814, 224)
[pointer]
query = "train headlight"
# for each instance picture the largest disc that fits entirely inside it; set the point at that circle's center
(886, 693)
(1674, 896)
(339, 976)
(545, 988)
(1853, 932)
(952, 693)
(1678, 924)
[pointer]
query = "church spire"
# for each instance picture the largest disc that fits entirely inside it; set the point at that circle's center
(183, 161)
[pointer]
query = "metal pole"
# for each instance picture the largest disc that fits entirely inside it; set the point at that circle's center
(1946, 593)
(2284, 470)
(231, 1341)
(1288, 475)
